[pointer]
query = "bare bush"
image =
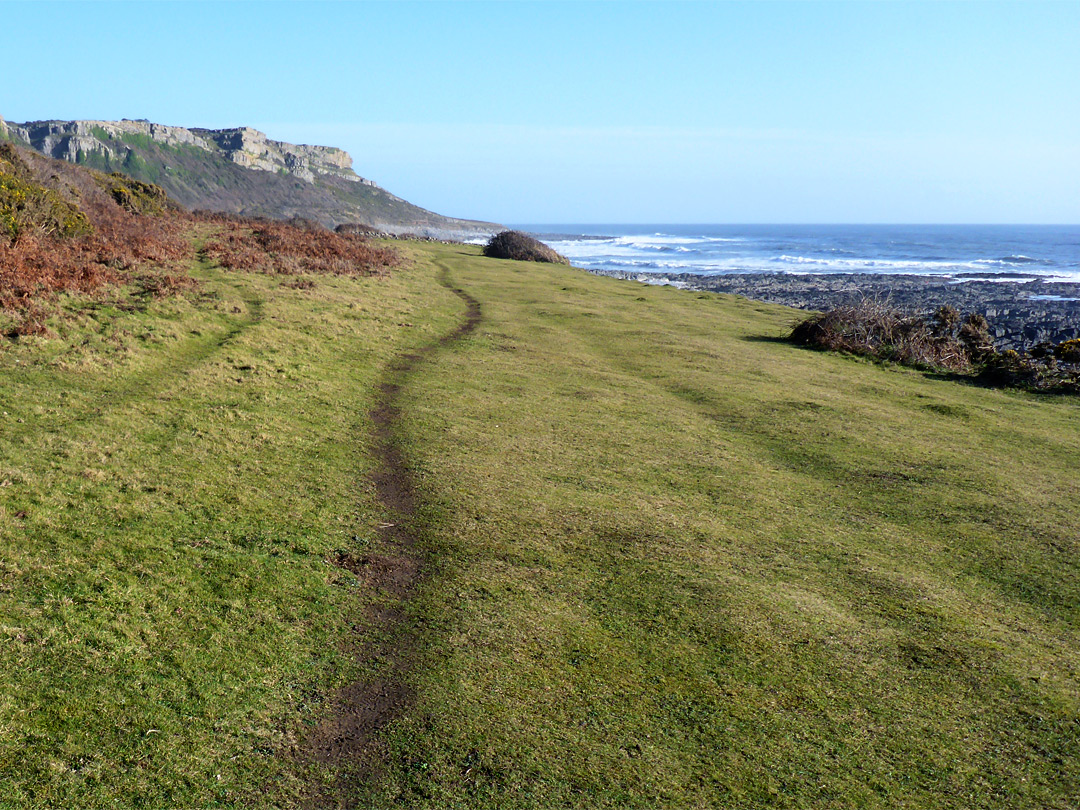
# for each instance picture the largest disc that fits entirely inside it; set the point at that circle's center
(521, 247)
(279, 247)
(947, 341)
(874, 328)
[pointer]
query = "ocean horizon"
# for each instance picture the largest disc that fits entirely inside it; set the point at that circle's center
(1004, 253)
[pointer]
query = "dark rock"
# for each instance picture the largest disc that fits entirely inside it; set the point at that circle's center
(1017, 319)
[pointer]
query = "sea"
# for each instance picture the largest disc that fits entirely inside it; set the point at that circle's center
(1005, 253)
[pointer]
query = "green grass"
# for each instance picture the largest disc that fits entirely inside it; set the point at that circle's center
(674, 561)
(172, 484)
(683, 564)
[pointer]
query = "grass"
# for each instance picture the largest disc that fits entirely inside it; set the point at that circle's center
(685, 565)
(173, 482)
(674, 561)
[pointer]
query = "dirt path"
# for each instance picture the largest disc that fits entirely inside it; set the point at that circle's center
(347, 741)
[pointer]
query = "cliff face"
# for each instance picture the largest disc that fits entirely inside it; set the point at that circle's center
(252, 149)
(238, 170)
(113, 140)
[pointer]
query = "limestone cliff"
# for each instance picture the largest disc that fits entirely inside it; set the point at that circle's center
(238, 170)
(244, 146)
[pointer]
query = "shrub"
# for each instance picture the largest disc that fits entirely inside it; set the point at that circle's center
(948, 341)
(135, 196)
(279, 247)
(521, 247)
(1068, 351)
(357, 229)
(874, 328)
(29, 206)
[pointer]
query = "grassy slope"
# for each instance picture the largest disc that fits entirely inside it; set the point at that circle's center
(678, 564)
(684, 565)
(168, 617)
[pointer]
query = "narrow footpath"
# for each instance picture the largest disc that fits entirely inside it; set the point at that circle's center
(347, 740)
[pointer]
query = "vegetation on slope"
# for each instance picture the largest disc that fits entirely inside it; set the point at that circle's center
(77, 231)
(948, 342)
(67, 232)
(26, 206)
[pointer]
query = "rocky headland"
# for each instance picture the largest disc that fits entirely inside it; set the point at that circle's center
(241, 171)
(1022, 313)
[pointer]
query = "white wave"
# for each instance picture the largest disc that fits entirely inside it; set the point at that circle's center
(1007, 261)
(705, 255)
(995, 279)
(662, 281)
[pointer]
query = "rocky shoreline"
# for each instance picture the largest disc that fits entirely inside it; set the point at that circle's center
(1022, 311)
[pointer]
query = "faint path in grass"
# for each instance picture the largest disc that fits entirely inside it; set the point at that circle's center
(347, 741)
(172, 365)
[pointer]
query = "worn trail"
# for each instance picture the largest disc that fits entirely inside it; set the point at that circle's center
(348, 740)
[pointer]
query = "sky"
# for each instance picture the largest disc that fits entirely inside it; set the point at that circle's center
(605, 112)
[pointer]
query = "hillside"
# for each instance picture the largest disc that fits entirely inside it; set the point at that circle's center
(238, 171)
(474, 535)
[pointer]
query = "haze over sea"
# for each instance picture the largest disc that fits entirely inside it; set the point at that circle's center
(1007, 253)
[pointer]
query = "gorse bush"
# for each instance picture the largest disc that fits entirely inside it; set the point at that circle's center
(874, 328)
(947, 341)
(26, 206)
(135, 196)
(521, 247)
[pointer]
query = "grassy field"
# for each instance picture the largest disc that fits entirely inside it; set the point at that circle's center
(174, 484)
(672, 561)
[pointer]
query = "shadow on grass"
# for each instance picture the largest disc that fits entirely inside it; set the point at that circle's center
(771, 339)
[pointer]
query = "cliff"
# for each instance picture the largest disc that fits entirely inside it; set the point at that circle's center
(238, 170)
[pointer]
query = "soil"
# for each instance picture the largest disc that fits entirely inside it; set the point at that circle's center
(347, 740)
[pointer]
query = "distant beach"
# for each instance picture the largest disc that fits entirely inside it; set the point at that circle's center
(1024, 279)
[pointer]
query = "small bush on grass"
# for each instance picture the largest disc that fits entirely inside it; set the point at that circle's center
(948, 341)
(873, 328)
(357, 229)
(521, 247)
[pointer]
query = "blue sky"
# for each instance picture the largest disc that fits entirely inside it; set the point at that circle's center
(605, 112)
